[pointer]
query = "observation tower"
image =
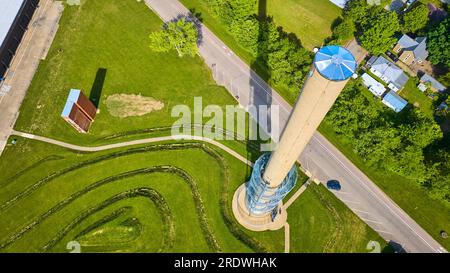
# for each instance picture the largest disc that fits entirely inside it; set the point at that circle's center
(257, 204)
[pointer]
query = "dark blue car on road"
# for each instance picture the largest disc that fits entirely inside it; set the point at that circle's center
(334, 185)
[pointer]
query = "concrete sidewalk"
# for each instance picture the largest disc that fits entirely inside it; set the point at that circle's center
(33, 49)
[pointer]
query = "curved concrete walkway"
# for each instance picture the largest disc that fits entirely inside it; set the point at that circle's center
(134, 142)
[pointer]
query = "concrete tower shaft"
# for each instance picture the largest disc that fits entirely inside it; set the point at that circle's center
(316, 99)
(333, 66)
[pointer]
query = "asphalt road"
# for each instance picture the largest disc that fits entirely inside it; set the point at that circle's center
(321, 158)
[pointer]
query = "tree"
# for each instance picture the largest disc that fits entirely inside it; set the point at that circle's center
(439, 43)
(234, 10)
(420, 130)
(409, 162)
(415, 19)
(286, 60)
(345, 30)
(180, 35)
(247, 33)
(357, 10)
(377, 36)
(445, 79)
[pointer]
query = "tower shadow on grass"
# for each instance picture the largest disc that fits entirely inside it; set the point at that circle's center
(97, 86)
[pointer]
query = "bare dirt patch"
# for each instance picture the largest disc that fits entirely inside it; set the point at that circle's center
(131, 105)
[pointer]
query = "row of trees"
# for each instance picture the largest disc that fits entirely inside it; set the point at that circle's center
(398, 143)
(439, 43)
(281, 54)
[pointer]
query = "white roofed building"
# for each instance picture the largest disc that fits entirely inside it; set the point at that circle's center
(340, 3)
(15, 15)
(388, 72)
(373, 85)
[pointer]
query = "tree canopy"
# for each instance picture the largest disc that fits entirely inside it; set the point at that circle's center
(378, 35)
(375, 26)
(180, 35)
(415, 19)
(382, 139)
(344, 30)
(439, 43)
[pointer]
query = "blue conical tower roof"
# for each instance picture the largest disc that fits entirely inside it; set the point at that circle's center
(335, 63)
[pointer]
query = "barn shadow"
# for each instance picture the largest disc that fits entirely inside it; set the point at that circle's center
(97, 86)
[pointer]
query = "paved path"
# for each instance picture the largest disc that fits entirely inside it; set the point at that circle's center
(297, 194)
(322, 160)
(33, 48)
(287, 238)
(133, 142)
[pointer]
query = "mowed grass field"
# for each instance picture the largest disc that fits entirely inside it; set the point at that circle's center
(166, 197)
(50, 196)
(310, 21)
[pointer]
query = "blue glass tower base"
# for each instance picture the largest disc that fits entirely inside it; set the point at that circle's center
(261, 198)
(259, 207)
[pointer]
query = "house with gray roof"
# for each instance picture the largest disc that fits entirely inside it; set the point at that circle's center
(340, 3)
(411, 50)
(388, 72)
(433, 83)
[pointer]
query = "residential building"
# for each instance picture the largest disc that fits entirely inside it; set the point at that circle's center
(433, 83)
(340, 3)
(422, 87)
(399, 5)
(388, 72)
(394, 101)
(411, 50)
(373, 85)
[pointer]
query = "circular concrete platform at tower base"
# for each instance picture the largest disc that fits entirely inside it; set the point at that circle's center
(255, 222)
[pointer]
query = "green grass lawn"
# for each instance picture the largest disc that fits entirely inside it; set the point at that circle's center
(167, 197)
(66, 186)
(417, 98)
(310, 20)
(330, 215)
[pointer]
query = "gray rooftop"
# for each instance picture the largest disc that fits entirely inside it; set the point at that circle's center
(8, 12)
(388, 69)
(434, 83)
(417, 46)
(340, 3)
